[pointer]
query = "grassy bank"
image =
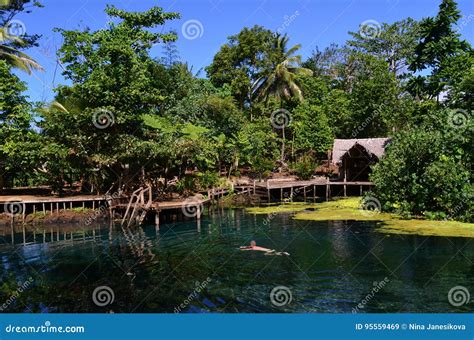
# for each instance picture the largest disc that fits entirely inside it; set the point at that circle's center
(350, 209)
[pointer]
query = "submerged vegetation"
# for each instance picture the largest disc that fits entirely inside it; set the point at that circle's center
(353, 209)
(128, 118)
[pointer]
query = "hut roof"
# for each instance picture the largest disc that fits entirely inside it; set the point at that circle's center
(374, 146)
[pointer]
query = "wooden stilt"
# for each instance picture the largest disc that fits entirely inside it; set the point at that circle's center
(52, 210)
(44, 209)
(327, 192)
(345, 189)
(157, 220)
(70, 205)
(291, 194)
(64, 205)
(281, 194)
(361, 190)
(34, 208)
(57, 208)
(314, 192)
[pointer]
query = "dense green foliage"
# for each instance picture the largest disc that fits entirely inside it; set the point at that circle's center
(129, 118)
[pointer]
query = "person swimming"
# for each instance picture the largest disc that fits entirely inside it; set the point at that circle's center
(267, 251)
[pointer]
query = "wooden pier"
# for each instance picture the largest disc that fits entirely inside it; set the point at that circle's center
(134, 209)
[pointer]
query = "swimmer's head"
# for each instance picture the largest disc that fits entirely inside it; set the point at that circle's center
(253, 243)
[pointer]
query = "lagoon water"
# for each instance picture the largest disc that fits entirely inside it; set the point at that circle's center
(191, 267)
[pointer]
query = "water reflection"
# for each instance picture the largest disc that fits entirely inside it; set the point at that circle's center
(332, 266)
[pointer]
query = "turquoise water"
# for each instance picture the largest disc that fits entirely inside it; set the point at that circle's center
(196, 267)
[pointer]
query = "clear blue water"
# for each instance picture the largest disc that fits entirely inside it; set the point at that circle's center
(332, 268)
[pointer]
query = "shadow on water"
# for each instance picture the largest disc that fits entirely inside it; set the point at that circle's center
(196, 266)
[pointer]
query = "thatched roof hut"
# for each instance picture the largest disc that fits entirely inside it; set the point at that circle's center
(353, 157)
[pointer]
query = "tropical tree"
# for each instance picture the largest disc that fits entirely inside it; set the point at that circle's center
(441, 51)
(10, 44)
(280, 79)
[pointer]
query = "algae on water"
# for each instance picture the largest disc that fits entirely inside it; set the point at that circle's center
(350, 209)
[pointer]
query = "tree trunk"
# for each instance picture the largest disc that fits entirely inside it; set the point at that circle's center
(282, 148)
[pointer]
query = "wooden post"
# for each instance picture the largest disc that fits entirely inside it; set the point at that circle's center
(157, 220)
(64, 205)
(345, 178)
(70, 205)
(291, 194)
(52, 209)
(57, 209)
(198, 212)
(361, 190)
(327, 189)
(254, 187)
(314, 192)
(93, 205)
(281, 194)
(83, 205)
(34, 208)
(44, 209)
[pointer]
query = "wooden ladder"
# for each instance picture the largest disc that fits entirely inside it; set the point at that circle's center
(137, 208)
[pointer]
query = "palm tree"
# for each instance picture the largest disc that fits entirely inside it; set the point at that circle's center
(280, 78)
(14, 57)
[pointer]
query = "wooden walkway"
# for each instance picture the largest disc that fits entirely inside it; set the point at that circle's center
(133, 209)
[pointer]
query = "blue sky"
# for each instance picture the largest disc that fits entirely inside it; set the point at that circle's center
(310, 23)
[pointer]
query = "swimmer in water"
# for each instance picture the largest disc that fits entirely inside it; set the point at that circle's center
(253, 246)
